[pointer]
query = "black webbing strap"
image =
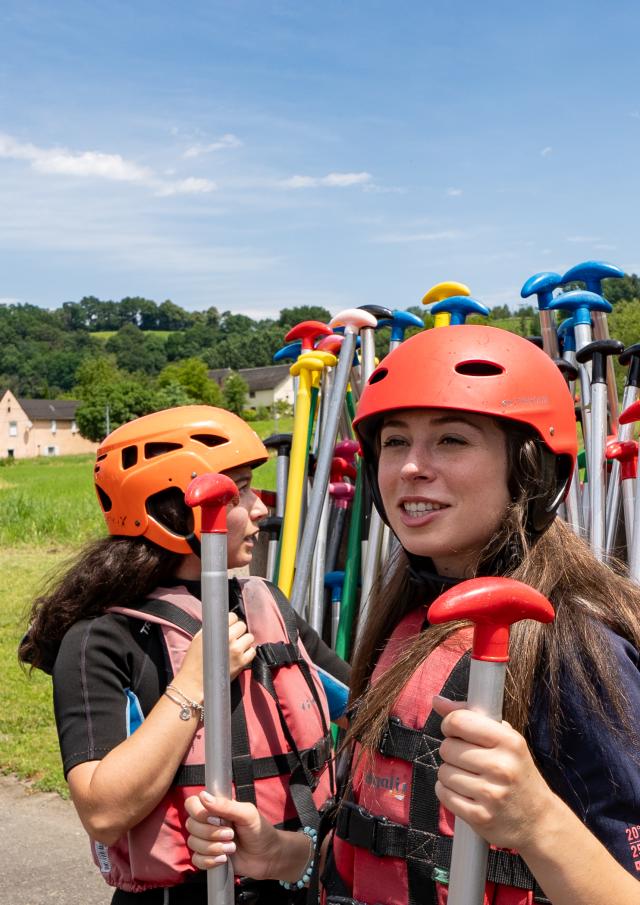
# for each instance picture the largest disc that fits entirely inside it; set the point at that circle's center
(261, 768)
(384, 838)
(424, 807)
(402, 742)
(241, 762)
(289, 619)
(171, 613)
(280, 653)
(302, 780)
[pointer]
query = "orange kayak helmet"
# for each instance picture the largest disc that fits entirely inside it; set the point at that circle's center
(157, 455)
(477, 369)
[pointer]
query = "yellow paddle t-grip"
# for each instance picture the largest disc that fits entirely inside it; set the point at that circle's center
(439, 293)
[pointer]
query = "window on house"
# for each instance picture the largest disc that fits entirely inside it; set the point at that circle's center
(252, 395)
(52, 450)
(11, 453)
(13, 428)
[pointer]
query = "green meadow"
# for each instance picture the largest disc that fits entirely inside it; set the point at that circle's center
(47, 510)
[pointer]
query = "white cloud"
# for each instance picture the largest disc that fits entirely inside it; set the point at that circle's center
(69, 163)
(454, 193)
(10, 301)
(332, 180)
(190, 186)
(582, 240)
(97, 165)
(603, 246)
(546, 151)
(228, 140)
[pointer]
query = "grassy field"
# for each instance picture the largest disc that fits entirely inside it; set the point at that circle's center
(47, 509)
(28, 741)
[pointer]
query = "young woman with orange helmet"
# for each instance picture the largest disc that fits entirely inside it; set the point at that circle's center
(120, 634)
(468, 439)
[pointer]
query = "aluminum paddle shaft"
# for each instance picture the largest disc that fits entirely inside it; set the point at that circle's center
(598, 353)
(631, 358)
(629, 416)
(493, 605)
(352, 319)
(213, 493)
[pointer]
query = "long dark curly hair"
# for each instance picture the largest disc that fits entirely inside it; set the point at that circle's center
(107, 572)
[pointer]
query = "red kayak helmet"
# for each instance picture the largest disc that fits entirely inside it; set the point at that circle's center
(141, 463)
(476, 369)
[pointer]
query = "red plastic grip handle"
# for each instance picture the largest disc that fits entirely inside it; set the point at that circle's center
(492, 604)
(306, 332)
(330, 343)
(626, 451)
(348, 449)
(213, 493)
(341, 491)
(631, 413)
(341, 468)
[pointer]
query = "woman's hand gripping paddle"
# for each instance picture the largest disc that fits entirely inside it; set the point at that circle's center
(492, 605)
(213, 493)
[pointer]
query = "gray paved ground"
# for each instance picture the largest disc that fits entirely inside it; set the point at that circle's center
(44, 852)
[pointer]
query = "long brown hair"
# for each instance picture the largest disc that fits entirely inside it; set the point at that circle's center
(586, 595)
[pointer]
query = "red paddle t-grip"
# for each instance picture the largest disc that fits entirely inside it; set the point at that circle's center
(626, 451)
(306, 332)
(631, 413)
(213, 493)
(492, 604)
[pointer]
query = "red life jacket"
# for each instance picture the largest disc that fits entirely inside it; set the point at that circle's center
(280, 738)
(392, 841)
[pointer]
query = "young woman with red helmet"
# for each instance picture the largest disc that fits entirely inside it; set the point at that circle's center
(469, 441)
(120, 633)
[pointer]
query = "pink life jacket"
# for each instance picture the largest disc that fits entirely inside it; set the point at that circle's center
(280, 738)
(392, 840)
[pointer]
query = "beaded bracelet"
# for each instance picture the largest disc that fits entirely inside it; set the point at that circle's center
(187, 707)
(308, 870)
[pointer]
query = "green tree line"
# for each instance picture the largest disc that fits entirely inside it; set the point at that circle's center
(123, 359)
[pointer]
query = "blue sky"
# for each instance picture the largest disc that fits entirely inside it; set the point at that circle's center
(255, 155)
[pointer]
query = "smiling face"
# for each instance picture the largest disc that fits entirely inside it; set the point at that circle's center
(242, 528)
(443, 480)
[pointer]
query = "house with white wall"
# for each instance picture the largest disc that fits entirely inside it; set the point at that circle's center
(40, 427)
(266, 385)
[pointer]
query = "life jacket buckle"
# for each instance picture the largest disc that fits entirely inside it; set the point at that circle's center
(319, 755)
(357, 826)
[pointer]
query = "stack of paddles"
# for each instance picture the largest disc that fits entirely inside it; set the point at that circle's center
(326, 540)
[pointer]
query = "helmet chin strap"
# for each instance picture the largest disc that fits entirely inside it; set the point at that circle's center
(194, 543)
(423, 575)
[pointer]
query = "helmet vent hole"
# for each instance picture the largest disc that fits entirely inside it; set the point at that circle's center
(479, 369)
(129, 456)
(105, 502)
(378, 375)
(152, 450)
(209, 439)
(100, 458)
